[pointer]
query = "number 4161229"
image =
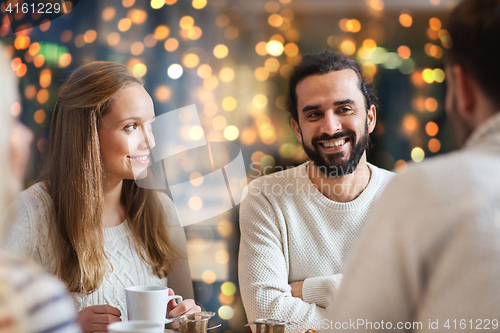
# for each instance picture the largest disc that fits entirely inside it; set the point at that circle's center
(478, 324)
(39, 8)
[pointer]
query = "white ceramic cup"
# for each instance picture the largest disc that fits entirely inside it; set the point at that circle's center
(149, 303)
(135, 326)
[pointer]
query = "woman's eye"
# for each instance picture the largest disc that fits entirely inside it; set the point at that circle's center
(130, 127)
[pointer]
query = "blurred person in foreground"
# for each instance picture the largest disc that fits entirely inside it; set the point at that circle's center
(87, 221)
(30, 299)
(429, 256)
(298, 226)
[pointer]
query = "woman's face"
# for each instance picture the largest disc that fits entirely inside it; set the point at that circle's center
(125, 135)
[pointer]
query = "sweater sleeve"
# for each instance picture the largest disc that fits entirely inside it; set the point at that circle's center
(263, 269)
(17, 225)
(319, 290)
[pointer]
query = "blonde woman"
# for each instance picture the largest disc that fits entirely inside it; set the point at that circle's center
(30, 299)
(87, 221)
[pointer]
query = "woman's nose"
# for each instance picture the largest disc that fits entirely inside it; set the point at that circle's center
(149, 139)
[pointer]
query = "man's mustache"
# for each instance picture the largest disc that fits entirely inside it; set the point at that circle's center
(338, 135)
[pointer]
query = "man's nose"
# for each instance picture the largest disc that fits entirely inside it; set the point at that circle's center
(331, 123)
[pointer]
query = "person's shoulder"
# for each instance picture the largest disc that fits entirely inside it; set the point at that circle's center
(446, 171)
(439, 183)
(34, 203)
(36, 196)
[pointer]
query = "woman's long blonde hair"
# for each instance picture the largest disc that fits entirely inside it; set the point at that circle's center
(74, 177)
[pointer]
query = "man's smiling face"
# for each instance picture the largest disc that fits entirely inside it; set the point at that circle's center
(333, 124)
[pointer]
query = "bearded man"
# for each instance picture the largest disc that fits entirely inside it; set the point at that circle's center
(428, 259)
(298, 226)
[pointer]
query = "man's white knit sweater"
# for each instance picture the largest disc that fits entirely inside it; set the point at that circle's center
(429, 255)
(291, 232)
(29, 236)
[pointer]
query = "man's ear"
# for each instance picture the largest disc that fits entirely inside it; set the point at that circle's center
(466, 91)
(371, 118)
(296, 129)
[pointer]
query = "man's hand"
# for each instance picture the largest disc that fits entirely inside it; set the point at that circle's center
(297, 289)
(96, 318)
(187, 306)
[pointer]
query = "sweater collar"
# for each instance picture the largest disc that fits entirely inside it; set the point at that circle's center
(490, 130)
(361, 200)
(118, 231)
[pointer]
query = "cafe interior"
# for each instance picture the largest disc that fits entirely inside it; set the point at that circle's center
(231, 59)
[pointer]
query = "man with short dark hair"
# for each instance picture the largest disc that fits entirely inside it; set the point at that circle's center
(429, 256)
(298, 226)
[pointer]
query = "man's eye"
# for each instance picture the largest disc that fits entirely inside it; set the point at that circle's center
(345, 110)
(313, 115)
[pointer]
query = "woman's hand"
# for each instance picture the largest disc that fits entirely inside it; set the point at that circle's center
(187, 306)
(96, 318)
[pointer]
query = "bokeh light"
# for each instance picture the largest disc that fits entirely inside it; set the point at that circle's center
(229, 103)
(208, 277)
(226, 312)
(225, 228)
(162, 32)
(231, 133)
(186, 22)
(162, 93)
(204, 71)
(348, 46)
(274, 48)
(434, 145)
(431, 104)
(259, 101)
(221, 51)
(406, 19)
(404, 51)
(431, 128)
(191, 60)
(157, 4)
(199, 4)
(39, 116)
(435, 24)
(175, 71)
(195, 203)
(226, 74)
(171, 44)
(228, 288)
(417, 154)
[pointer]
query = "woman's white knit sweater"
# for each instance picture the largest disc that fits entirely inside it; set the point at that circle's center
(29, 236)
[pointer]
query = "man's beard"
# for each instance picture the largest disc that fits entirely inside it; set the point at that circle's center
(334, 165)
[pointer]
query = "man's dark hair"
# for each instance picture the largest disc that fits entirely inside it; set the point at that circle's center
(474, 27)
(325, 63)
